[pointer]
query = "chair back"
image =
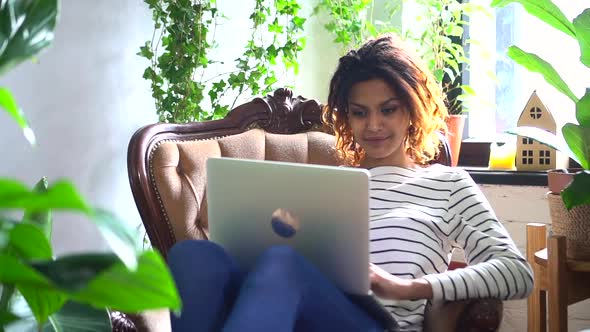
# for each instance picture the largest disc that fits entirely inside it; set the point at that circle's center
(166, 162)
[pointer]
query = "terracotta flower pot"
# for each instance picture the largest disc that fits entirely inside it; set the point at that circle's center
(558, 179)
(455, 124)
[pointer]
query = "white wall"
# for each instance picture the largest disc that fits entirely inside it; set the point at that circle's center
(84, 98)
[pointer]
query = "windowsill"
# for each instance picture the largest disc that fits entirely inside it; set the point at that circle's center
(483, 175)
(474, 158)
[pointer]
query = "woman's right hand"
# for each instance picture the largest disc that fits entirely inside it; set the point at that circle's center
(387, 286)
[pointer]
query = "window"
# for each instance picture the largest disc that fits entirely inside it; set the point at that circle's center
(503, 87)
(527, 157)
(526, 140)
(535, 113)
(545, 157)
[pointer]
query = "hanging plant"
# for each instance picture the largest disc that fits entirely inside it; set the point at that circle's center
(440, 41)
(180, 55)
(351, 21)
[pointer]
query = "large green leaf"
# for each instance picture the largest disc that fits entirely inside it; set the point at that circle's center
(29, 242)
(14, 271)
(583, 110)
(73, 272)
(8, 103)
(102, 280)
(578, 139)
(582, 28)
(78, 317)
(578, 191)
(72, 317)
(149, 287)
(40, 218)
(10, 187)
(545, 137)
(6, 318)
(61, 195)
(534, 63)
(120, 237)
(26, 27)
(545, 10)
(42, 302)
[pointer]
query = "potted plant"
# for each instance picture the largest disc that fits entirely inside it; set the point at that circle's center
(570, 197)
(440, 42)
(39, 291)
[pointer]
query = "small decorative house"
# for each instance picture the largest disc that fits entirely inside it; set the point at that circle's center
(530, 154)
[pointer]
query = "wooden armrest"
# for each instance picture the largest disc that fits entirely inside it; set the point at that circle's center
(464, 316)
(481, 315)
(121, 322)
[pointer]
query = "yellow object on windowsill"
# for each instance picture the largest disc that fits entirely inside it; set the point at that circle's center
(502, 156)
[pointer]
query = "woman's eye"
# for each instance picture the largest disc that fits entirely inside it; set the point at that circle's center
(388, 110)
(357, 113)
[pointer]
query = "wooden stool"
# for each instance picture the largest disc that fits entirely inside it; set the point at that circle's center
(559, 282)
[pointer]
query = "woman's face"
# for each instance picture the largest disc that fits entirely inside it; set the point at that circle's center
(379, 123)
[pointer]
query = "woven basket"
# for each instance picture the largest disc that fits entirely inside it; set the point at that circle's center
(574, 224)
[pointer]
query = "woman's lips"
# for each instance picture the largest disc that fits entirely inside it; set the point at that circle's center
(376, 140)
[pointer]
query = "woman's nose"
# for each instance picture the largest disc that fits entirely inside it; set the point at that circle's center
(373, 121)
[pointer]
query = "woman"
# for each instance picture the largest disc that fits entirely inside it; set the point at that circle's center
(386, 111)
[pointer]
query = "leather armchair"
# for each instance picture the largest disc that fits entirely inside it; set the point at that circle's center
(166, 164)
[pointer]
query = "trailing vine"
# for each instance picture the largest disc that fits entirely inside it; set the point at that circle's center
(352, 22)
(347, 20)
(179, 55)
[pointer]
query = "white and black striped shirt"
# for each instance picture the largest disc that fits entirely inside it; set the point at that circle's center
(418, 216)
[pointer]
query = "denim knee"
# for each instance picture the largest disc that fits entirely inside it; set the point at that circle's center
(277, 265)
(281, 253)
(190, 256)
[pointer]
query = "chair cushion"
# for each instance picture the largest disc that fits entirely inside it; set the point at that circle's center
(179, 174)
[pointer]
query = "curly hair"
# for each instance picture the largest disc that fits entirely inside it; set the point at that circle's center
(389, 59)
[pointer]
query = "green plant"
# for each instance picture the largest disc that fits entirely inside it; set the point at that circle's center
(348, 21)
(576, 136)
(179, 55)
(437, 35)
(37, 290)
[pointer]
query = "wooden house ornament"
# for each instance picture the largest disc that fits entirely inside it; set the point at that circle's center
(530, 154)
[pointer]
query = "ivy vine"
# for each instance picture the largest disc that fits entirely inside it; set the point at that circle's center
(179, 55)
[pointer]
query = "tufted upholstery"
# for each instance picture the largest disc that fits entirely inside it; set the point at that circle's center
(179, 173)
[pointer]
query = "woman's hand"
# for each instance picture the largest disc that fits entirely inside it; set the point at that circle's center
(388, 286)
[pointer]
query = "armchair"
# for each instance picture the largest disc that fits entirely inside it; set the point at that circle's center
(166, 164)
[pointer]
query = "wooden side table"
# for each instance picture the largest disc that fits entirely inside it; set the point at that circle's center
(559, 282)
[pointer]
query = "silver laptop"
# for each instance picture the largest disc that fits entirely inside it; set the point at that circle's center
(321, 211)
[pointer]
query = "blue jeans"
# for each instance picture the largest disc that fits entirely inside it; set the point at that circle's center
(282, 292)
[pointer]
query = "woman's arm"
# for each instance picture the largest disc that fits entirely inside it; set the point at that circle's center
(387, 286)
(496, 267)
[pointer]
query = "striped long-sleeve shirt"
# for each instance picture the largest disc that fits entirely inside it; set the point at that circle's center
(418, 216)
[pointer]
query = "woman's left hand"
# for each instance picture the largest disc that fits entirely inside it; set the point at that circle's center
(387, 286)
